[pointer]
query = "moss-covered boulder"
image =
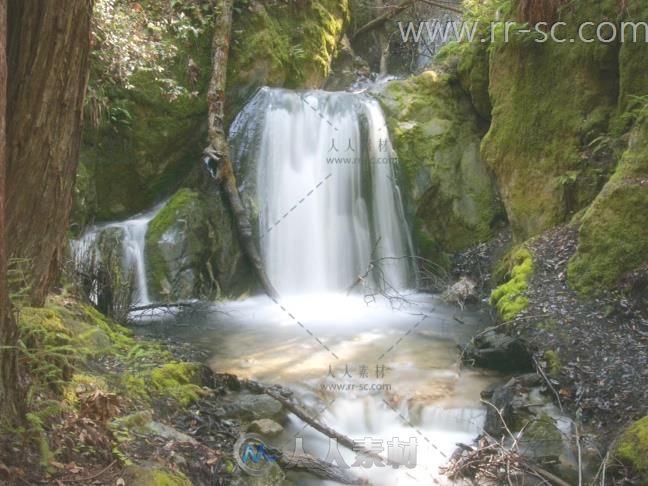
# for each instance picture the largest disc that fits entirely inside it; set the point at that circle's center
(289, 44)
(632, 448)
(436, 135)
(613, 237)
(191, 249)
(551, 104)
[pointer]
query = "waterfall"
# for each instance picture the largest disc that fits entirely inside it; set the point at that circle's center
(324, 172)
(130, 235)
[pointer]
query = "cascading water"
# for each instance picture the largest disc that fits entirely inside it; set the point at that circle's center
(326, 184)
(131, 234)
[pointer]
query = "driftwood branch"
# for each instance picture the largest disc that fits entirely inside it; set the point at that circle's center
(170, 305)
(281, 395)
(394, 10)
(216, 156)
(317, 467)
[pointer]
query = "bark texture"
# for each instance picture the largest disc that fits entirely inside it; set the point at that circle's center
(9, 392)
(47, 58)
(217, 154)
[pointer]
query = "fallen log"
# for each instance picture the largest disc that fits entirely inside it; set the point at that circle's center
(216, 156)
(170, 305)
(281, 395)
(316, 467)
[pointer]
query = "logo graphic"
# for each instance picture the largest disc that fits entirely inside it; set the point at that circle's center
(252, 455)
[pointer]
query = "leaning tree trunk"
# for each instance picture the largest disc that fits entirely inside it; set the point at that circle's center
(9, 391)
(217, 155)
(47, 59)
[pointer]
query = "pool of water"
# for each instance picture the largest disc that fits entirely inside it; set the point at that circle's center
(384, 373)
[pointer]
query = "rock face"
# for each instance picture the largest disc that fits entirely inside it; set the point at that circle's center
(436, 134)
(287, 44)
(191, 250)
(613, 236)
(551, 102)
(497, 351)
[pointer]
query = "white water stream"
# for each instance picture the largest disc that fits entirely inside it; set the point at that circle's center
(329, 204)
(321, 171)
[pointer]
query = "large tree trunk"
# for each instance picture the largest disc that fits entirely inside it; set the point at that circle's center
(47, 58)
(9, 394)
(217, 155)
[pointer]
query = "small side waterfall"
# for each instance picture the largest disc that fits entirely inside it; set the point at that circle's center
(326, 186)
(131, 237)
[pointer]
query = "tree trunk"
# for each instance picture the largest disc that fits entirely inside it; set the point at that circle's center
(217, 156)
(47, 58)
(9, 394)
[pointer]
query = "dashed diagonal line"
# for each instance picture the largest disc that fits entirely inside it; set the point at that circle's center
(403, 336)
(316, 416)
(296, 205)
(304, 327)
(415, 429)
(318, 112)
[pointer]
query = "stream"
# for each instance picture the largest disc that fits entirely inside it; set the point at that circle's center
(378, 361)
(412, 387)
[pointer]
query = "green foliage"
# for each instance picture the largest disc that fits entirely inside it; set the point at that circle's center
(632, 448)
(553, 362)
(180, 381)
(509, 298)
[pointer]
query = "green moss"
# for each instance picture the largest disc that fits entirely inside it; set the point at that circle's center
(436, 136)
(509, 298)
(181, 210)
(542, 430)
(613, 239)
(553, 362)
(146, 476)
(289, 45)
(632, 448)
(550, 101)
(180, 381)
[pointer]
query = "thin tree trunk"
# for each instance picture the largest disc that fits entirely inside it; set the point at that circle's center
(47, 59)
(217, 155)
(9, 391)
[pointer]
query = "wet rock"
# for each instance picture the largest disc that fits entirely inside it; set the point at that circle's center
(254, 407)
(498, 351)
(265, 427)
(461, 292)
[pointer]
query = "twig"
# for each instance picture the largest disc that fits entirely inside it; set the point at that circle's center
(546, 379)
(89, 478)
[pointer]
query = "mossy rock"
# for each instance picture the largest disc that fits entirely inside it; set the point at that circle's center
(613, 239)
(192, 250)
(449, 189)
(282, 44)
(632, 448)
(510, 298)
(153, 476)
(551, 101)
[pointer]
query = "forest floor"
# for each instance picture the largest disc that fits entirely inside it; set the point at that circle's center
(114, 409)
(594, 351)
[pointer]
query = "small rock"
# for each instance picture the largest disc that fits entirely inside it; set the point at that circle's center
(265, 427)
